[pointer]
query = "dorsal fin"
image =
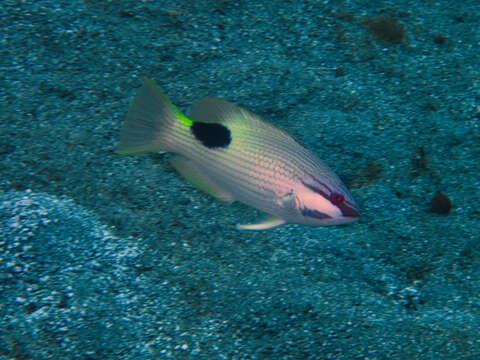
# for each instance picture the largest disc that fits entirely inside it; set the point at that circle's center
(215, 110)
(234, 117)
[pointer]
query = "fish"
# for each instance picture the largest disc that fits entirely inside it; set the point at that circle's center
(232, 154)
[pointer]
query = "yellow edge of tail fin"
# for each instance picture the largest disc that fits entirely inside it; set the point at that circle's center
(183, 119)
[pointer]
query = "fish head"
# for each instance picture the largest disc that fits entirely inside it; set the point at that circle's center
(323, 201)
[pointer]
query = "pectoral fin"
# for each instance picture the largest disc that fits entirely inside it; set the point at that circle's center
(196, 176)
(268, 223)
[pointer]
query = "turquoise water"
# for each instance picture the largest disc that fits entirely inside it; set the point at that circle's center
(105, 256)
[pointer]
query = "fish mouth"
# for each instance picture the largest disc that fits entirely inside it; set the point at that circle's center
(349, 211)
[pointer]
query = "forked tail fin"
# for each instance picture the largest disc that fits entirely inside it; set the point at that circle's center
(150, 122)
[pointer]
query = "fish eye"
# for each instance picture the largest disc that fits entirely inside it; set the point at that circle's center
(336, 198)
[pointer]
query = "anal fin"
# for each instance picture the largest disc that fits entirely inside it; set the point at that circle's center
(196, 176)
(268, 223)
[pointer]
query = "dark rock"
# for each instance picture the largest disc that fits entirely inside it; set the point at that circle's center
(440, 204)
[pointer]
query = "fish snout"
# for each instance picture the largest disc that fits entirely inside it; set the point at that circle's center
(349, 210)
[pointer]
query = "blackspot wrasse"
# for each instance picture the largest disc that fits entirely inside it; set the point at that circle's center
(234, 155)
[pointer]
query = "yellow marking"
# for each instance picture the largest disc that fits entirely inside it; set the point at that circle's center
(185, 121)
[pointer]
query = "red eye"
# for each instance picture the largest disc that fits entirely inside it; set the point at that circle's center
(336, 198)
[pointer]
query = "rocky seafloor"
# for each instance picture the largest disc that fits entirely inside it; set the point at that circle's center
(105, 256)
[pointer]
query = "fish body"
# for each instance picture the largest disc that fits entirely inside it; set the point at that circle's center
(234, 155)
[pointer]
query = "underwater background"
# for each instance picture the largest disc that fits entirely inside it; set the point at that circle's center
(105, 256)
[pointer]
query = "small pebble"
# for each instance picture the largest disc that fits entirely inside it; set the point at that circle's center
(440, 204)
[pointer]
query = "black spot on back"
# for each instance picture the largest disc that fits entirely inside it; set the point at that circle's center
(211, 135)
